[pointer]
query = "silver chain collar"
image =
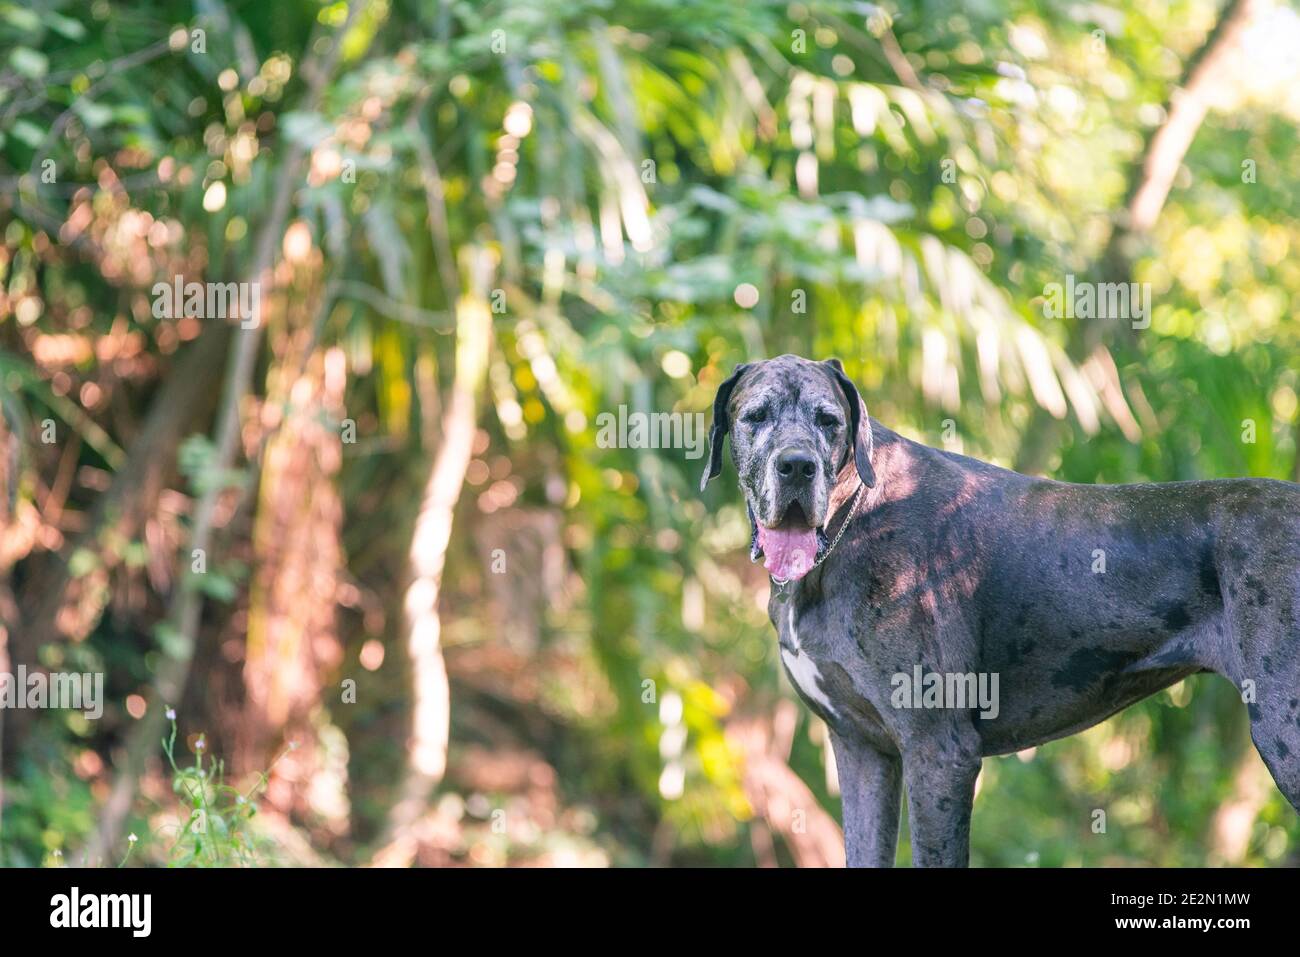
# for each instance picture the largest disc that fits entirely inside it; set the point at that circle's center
(783, 583)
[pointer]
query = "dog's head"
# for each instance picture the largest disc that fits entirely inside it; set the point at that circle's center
(794, 423)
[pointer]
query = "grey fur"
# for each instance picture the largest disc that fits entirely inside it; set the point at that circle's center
(961, 567)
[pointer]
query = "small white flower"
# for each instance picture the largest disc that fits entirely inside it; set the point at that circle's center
(171, 714)
(200, 744)
(132, 838)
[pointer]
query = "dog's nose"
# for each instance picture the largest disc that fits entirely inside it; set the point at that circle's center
(795, 464)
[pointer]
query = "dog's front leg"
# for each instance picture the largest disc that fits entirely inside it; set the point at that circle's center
(940, 791)
(871, 787)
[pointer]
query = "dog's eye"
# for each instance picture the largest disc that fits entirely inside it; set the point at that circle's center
(828, 420)
(755, 416)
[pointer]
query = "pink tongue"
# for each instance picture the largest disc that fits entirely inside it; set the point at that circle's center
(788, 553)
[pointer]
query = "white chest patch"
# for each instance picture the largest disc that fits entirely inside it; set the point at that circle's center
(803, 670)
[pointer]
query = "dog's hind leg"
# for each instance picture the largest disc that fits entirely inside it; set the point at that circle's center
(1266, 628)
(1275, 727)
(871, 788)
(1275, 730)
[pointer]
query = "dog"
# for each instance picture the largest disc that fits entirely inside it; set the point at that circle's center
(894, 563)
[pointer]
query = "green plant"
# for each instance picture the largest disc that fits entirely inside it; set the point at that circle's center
(218, 831)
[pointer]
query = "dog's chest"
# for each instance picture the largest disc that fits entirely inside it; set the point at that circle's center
(800, 664)
(822, 660)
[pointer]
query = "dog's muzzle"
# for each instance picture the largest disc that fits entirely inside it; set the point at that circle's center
(785, 518)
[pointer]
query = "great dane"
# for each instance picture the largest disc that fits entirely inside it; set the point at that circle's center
(893, 564)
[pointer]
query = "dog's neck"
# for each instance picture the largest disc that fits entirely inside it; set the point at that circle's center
(887, 461)
(847, 483)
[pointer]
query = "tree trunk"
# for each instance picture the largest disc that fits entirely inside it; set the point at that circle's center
(292, 647)
(427, 749)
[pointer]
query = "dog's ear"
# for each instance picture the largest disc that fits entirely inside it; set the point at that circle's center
(721, 424)
(859, 422)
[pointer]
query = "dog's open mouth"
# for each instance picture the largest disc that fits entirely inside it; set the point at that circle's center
(789, 550)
